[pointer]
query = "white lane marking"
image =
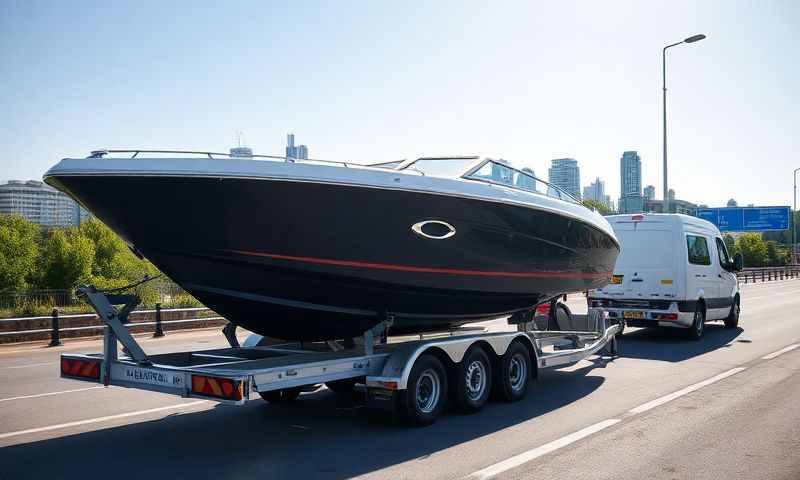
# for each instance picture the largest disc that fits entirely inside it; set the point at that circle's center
(691, 388)
(52, 364)
(537, 452)
(780, 352)
(99, 419)
(49, 393)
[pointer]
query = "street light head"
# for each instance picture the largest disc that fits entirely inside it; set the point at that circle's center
(695, 38)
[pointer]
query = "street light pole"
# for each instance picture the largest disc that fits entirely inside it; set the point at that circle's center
(692, 39)
(794, 210)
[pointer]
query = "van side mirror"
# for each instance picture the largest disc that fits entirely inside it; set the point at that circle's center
(738, 262)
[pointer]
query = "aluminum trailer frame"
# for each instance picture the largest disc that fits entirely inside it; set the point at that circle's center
(384, 368)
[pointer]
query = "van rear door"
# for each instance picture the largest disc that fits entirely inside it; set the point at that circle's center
(645, 268)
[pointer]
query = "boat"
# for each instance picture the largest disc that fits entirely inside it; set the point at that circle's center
(311, 250)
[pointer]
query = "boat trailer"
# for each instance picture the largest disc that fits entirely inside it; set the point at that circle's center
(401, 373)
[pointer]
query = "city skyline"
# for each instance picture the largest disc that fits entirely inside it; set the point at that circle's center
(565, 174)
(588, 96)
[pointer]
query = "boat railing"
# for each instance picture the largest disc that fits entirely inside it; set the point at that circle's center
(135, 153)
(504, 175)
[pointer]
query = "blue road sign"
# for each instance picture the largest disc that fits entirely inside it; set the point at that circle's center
(746, 219)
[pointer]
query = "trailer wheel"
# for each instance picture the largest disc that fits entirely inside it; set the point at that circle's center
(514, 372)
(472, 381)
(286, 395)
(425, 396)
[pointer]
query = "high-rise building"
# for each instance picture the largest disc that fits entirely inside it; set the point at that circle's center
(565, 174)
(630, 174)
(297, 152)
(649, 192)
(630, 168)
(40, 203)
(596, 191)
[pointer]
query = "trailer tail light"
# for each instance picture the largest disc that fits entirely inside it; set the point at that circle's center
(75, 367)
(216, 387)
(666, 316)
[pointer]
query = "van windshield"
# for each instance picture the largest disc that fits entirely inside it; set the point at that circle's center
(644, 249)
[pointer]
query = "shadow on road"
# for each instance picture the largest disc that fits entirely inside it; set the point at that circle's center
(671, 344)
(321, 435)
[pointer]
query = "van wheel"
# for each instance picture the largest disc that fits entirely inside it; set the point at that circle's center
(472, 381)
(732, 320)
(424, 397)
(513, 374)
(698, 325)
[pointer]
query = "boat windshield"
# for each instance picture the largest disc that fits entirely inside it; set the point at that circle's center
(495, 172)
(453, 167)
(390, 165)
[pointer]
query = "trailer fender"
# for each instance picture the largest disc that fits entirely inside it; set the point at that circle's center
(398, 367)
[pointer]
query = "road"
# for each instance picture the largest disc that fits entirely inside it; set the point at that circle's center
(667, 408)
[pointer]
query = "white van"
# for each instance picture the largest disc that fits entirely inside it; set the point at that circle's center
(672, 271)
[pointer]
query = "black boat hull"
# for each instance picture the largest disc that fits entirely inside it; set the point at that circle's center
(313, 261)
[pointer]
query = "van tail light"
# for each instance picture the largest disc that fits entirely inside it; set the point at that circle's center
(543, 309)
(666, 316)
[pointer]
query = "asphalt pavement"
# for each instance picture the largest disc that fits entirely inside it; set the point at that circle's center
(722, 407)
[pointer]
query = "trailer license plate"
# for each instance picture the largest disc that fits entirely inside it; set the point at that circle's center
(153, 377)
(634, 315)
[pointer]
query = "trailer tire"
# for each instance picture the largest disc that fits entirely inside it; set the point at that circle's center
(472, 381)
(426, 393)
(514, 373)
(287, 395)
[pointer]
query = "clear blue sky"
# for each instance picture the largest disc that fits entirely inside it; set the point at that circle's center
(376, 81)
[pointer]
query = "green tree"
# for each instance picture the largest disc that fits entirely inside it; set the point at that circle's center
(106, 247)
(730, 244)
(113, 264)
(602, 209)
(754, 250)
(66, 259)
(19, 250)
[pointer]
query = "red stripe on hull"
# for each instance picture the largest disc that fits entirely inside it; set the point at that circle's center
(409, 268)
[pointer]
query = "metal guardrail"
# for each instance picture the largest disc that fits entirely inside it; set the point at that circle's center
(56, 329)
(768, 274)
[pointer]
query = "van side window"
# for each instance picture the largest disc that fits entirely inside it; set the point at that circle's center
(698, 250)
(724, 259)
